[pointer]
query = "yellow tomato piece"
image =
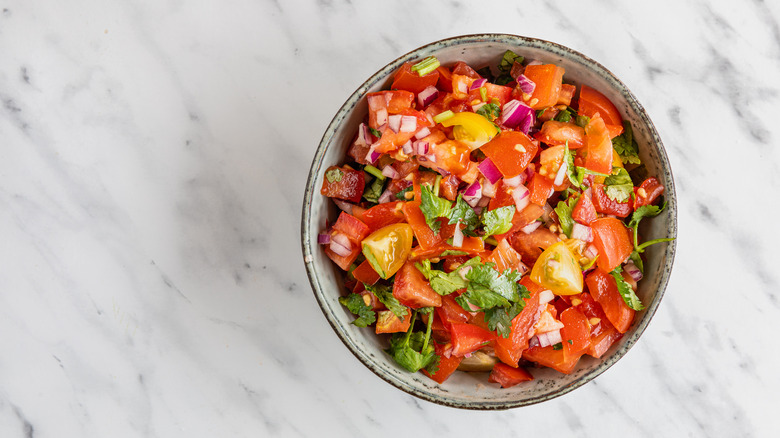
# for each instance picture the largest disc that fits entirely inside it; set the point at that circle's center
(616, 161)
(387, 248)
(471, 129)
(557, 269)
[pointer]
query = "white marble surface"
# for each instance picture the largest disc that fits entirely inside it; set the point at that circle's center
(154, 155)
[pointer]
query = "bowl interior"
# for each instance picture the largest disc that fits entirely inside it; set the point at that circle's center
(471, 390)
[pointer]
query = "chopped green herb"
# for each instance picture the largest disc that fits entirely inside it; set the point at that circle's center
(486, 73)
(508, 60)
(463, 213)
(385, 295)
(619, 186)
(402, 194)
(442, 116)
(433, 207)
(373, 192)
(426, 66)
(490, 111)
(625, 145)
(355, 304)
(375, 133)
(564, 210)
(626, 291)
(558, 346)
(374, 171)
(413, 350)
(499, 220)
(563, 116)
(334, 175)
(582, 121)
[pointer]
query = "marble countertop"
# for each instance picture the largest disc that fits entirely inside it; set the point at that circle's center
(154, 156)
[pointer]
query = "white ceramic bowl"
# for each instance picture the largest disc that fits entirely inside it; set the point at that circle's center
(471, 390)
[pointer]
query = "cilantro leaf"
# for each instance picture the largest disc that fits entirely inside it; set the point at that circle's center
(508, 60)
(355, 304)
(619, 186)
(463, 212)
(334, 175)
(563, 116)
(402, 194)
(572, 172)
(373, 193)
(375, 133)
(500, 318)
(625, 290)
(490, 111)
(433, 207)
(385, 295)
(498, 221)
(445, 283)
(413, 350)
(485, 278)
(643, 212)
(625, 145)
(582, 121)
(564, 210)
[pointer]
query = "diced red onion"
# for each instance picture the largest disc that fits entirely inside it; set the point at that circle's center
(633, 271)
(534, 62)
(428, 95)
(484, 201)
(443, 172)
(340, 244)
(408, 124)
(582, 232)
(526, 85)
(520, 196)
(323, 238)
(549, 338)
(517, 114)
(546, 218)
(381, 116)
(533, 342)
(364, 137)
(473, 193)
(477, 84)
(561, 174)
(476, 107)
(530, 228)
(462, 273)
(390, 172)
(514, 181)
(488, 188)
(546, 296)
(591, 252)
(407, 148)
(489, 169)
(372, 155)
(386, 196)
(422, 133)
(457, 236)
(431, 158)
(529, 172)
(394, 122)
(421, 147)
(345, 206)
(462, 87)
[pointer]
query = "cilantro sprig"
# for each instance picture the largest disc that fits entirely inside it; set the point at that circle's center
(564, 212)
(499, 220)
(618, 186)
(355, 304)
(639, 214)
(626, 291)
(414, 350)
(625, 145)
(384, 294)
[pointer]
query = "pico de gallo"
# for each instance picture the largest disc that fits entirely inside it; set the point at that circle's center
(489, 219)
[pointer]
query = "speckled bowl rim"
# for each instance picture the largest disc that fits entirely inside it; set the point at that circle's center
(670, 195)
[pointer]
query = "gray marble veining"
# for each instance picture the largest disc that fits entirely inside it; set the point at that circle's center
(155, 155)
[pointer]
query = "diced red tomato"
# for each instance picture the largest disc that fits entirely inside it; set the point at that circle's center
(592, 310)
(406, 79)
(451, 155)
(647, 192)
(511, 152)
(584, 212)
(387, 322)
(468, 338)
(600, 343)
(604, 204)
(383, 103)
(575, 332)
(510, 349)
(382, 215)
(451, 312)
(505, 257)
(592, 102)
(610, 238)
(550, 357)
(614, 130)
(445, 79)
(461, 68)
(460, 86)
(356, 231)
(414, 216)
(447, 364)
(500, 92)
(604, 290)
(520, 219)
(548, 79)
(364, 273)
(507, 376)
(531, 245)
(599, 158)
(560, 133)
(412, 289)
(343, 183)
(540, 188)
(567, 94)
(448, 187)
